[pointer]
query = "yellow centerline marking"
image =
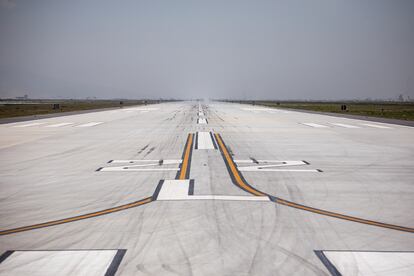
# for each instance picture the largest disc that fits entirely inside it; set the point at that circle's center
(236, 175)
(234, 170)
(76, 218)
(183, 172)
(245, 186)
(185, 163)
(345, 217)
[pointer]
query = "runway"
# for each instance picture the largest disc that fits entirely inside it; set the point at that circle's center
(196, 188)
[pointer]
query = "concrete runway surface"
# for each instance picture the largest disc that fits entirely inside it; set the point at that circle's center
(191, 188)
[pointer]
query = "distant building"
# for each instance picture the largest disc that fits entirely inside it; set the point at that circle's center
(404, 98)
(25, 97)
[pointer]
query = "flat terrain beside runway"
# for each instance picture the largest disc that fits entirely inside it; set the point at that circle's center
(384, 110)
(19, 109)
(190, 188)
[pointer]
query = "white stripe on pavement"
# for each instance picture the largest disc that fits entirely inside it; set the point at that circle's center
(60, 125)
(344, 125)
(29, 125)
(90, 124)
(314, 125)
(376, 126)
(204, 141)
(201, 121)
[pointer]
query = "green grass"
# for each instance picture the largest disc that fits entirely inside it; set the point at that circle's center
(39, 107)
(391, 110)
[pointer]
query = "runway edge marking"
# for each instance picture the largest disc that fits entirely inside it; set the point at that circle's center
(239, 180)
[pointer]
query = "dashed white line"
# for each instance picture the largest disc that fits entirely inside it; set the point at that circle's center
(91, 124)
(257, 109)
(139, 109)
(60, 125)
(30, 125)
(278, 111)
(315, 125)
(344, 125)
(376, 126)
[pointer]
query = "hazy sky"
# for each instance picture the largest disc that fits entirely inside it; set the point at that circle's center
(310, 49)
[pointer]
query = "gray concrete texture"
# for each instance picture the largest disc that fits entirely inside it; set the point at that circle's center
(50, 173)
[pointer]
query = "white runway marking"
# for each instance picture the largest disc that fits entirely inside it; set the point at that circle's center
(231, 198)
(201, 121)
(372, 263)
(376, 126)
(149, 165)
(134, 169)
(140, 109)
(315, 125)
(250, 161)
(271, 166)
(180, 189)
(76, 262)
(30, 125)
(257, 109)
(174, 190)
(344, 125)
(204, 141)
(273, 111)
(91, 124)
(60, 125)
(132, 161)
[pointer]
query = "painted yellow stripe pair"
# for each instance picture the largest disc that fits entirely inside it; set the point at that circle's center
(234, 171)
(183, 174)
(236, 175)
(184, 170)
(76, 218)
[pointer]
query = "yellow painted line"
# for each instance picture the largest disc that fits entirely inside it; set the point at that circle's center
(236, 175)
(235, 172)
(76, 218)
(344, 217)
(182, 175)
(185, 164)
